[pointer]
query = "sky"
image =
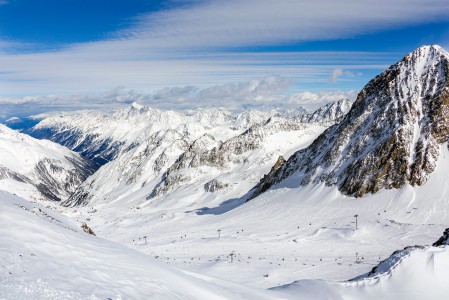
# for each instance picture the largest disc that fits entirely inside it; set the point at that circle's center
(177, 54)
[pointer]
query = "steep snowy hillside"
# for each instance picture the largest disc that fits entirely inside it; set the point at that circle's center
(390, 137)
(37, 168)
(44, 255)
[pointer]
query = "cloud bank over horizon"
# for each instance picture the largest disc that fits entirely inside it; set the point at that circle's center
(266, 93)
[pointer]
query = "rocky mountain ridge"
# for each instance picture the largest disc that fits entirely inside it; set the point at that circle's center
(391, 136)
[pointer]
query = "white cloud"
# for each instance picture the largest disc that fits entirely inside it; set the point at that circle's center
(269, 92)
(337, 73)
(259, 22)
(189, 46)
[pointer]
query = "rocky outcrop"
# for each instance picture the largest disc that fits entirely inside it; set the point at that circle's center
(391, 136)
(214, 185)
(443, 240)
(268, 178)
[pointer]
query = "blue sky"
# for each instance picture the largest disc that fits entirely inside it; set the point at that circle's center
(65, 53)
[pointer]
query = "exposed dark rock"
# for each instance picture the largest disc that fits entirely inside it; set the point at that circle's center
(443, 240)
(269, 177)
(214, 185)
(87, 229)
(390, 137)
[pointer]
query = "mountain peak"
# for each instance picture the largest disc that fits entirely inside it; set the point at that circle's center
(137, 106)
(390, 137)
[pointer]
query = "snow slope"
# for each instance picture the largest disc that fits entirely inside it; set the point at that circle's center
(284, 235)
(422, 273)
(39, 169)
(44, 255)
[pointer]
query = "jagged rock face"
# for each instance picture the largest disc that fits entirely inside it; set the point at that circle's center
(391, 135)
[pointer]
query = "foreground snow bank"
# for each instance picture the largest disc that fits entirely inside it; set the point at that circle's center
(413, 273)
(44, 255)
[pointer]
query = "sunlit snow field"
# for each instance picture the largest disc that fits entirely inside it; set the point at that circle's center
(282, 236)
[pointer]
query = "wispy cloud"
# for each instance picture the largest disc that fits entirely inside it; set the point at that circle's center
(195, 45)
(337, 73)
(234, 23)
(80, 70)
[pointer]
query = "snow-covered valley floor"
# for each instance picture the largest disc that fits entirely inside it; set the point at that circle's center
(284, 235)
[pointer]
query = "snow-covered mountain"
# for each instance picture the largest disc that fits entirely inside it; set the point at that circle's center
(170, 159)
(330, 113)
(390, 137)
(102, 136)
(147, 143)
(38, 168)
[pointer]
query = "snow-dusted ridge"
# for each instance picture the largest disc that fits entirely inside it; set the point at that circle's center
(39, 169)
(104, 136)
(390, 137)
(147, 146)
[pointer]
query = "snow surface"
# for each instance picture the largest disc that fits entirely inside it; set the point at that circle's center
(282, 236)
(44, 255)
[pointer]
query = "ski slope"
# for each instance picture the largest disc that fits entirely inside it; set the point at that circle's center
(284, 235)
(44, 255)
